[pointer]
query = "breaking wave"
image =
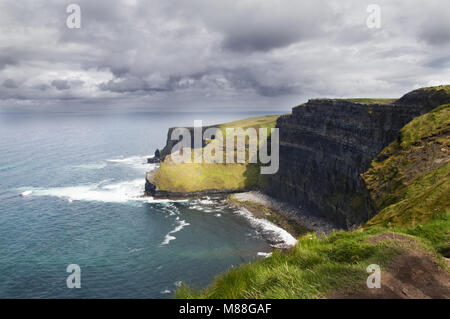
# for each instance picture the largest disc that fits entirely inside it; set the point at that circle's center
(169, 237)
(277, 236)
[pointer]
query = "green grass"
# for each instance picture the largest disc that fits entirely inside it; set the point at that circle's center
(410, 180)
(192, 177)
(267, 121)
(371, 101)
(446, 88)
(435, 233)
(313, 268)
(434, 123)
(199, 177)
(410, 185)
(316, 267)
(417, 201)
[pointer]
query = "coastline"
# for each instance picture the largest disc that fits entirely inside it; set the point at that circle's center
(286, 216)
(280, 222)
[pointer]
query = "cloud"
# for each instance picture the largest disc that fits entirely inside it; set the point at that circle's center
(129, 85)
(61, 84)
(9, 84)
(65, 84)
(201, 54)
(435, 30)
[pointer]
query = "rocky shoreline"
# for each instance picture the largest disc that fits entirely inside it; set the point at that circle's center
(258, 205)
(290, 215)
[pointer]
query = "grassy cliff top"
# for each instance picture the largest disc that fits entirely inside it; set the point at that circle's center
(428, 94)
(363, 100)
(410, 183)
(371, 101)
(194, 177)
(445, 88)
(267, 121)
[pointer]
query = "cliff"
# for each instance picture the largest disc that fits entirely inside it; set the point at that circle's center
(177, 180)
(171, 143)
(325, 147)
(409, 181)
(326, 144)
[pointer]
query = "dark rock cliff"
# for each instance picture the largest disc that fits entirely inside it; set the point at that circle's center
(171, 143)
(326, 144)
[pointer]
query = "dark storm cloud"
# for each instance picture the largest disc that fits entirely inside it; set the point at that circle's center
(65, 84)
(6, 59)
(436, 29)
(437, 34)
(61, 84)
(439, 63)
(212, 53)
(129, 85)
(9, 84)
(259, 41)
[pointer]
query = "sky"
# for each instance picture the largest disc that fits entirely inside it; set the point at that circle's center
(194, 55)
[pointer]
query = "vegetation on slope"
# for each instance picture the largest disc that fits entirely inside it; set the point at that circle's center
(311, 269)
(445, 88)
(409, 183)
(192, 177)
(371, 101)
(316, 267)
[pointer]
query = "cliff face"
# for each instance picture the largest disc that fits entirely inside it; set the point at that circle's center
(171, 143)
(326, 144)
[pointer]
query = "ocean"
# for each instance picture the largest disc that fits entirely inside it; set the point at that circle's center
(70, 193)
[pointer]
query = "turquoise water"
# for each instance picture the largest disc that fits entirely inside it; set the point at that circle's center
(69, 194)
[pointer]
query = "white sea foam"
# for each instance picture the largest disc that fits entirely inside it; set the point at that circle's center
(121, 192)
(206, 201)
(165, 292)
(112, 193)
(169, 237)
(92, 166)
(265, 255)
(104, 191)
(279, 236)
(137, 162)
(26, 193)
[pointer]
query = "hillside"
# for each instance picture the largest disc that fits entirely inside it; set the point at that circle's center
(197, 177)
(410, 179)
(407, 184)
(326, 144)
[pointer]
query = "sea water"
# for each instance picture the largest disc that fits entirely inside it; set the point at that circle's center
(70, 193)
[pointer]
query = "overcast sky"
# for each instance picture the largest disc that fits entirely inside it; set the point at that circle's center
(222, 54)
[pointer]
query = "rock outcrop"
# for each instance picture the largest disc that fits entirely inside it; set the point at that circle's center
(171, 143)
(155, 159)
(325, 144)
